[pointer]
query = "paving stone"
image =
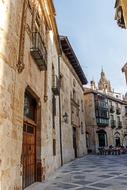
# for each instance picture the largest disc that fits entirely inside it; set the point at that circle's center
(52, 188)
(77, 173)
(102, 185)
(115, 173)
(121, 178)
(66, 171)
(79, 177)
(87, 188)
(89, 173)
(66, 186)
(105, 176)
(82, 182)
(124, 183)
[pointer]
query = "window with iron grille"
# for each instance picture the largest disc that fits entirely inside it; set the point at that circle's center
(54, 147)
(82, 106)
(53, 110)
(29, 106)
(82, 128)
(125, 109)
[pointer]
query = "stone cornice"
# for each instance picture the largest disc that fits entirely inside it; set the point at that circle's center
(48, 9)
(66, 61)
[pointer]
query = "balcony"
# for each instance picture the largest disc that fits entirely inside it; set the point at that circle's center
(38, 51)
(102, 122)
(119, 125)
(56, 85)
(100, 105)
(118, 111)
(125, 132)
(119, 17)
(112, 109)
(113, 124)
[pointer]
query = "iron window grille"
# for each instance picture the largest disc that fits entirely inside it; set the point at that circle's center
(38, 51)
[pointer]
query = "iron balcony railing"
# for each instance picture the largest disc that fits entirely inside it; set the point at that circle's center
(125, 132)
(118, 111)
(102, 122)
(119, 124)
(38, 51)
(112, 109)
(113, 124)
(56, 85)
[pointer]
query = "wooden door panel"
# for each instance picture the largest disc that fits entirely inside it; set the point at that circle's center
(29, 161)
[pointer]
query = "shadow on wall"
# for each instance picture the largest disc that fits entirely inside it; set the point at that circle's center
(10, 19)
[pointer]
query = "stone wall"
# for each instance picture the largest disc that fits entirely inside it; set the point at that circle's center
(124, 6)
(11, 93)
(18, 72)
(70, 82)
(12, 89)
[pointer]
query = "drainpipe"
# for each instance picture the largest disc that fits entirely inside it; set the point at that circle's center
(61, 148)
(45, 87)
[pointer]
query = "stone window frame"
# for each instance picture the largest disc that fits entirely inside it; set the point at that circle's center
(54, 147)
(82, 128)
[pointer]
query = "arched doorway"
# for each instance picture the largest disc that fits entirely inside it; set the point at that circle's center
(102, 138)
(117, 139)
(87, 140)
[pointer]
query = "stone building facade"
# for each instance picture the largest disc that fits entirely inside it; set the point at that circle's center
(105, 115)
(121, 18)
(124, 70)
(28, 60)
(72, 81)
(121, 13)
(32, 131)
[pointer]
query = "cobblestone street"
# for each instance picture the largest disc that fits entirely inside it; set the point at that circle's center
(89, 173)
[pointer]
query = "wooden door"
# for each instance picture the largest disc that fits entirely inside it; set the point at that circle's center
(74, 142)
(101, 137)
(29, 155)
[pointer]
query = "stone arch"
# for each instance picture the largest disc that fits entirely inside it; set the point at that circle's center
(102, 138)
(117, 139)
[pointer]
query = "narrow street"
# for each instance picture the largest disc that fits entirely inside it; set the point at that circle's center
(89, 173)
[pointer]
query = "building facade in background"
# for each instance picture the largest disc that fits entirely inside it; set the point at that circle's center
(105, 115)
(124, 70)
(121, 13)
(72, 103)
(121, 18)
(41, 125)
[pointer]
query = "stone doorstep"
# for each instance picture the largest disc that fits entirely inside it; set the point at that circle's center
(37, 186)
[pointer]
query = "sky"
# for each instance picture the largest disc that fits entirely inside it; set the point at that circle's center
(95, 37)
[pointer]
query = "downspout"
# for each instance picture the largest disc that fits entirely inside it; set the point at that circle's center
(61, 148)
(45, 87)
(20, 65)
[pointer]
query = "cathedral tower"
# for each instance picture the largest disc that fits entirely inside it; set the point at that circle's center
(104, 84)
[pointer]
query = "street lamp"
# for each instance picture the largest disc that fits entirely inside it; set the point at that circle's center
(65, 117)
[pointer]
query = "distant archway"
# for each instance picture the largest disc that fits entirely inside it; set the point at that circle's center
(87, 140)
(102, 138)
(117, 139)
